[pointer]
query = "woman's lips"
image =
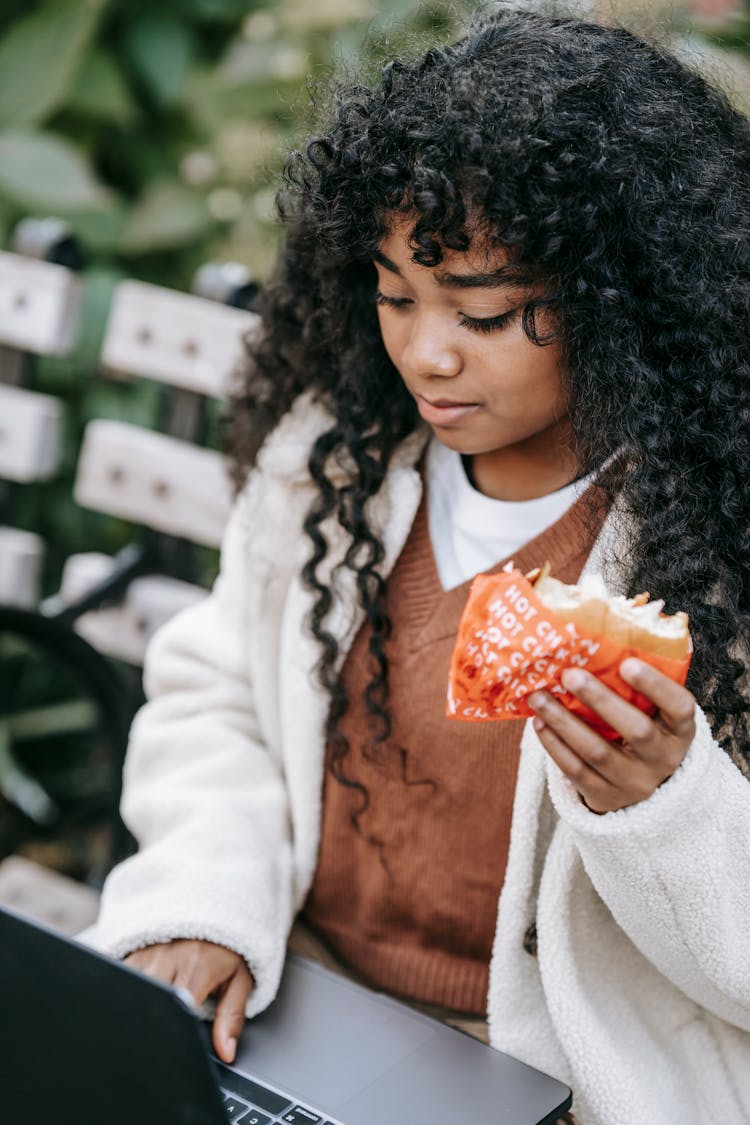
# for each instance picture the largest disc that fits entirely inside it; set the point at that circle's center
(444, 413)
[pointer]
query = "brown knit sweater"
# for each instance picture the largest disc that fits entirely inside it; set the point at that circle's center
(410, 902)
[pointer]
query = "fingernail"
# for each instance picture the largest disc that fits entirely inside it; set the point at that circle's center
(536, 700)
(539, 724)
(630, 667)
(231, 1049)
(573, 679)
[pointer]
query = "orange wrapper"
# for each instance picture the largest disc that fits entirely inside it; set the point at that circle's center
(510, 644)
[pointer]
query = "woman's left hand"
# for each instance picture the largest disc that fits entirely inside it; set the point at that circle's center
(612, 775)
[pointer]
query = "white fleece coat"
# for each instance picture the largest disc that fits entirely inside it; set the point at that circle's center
(639, 997)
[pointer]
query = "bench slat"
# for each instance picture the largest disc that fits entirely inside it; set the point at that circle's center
(21, 558)
(175, 338)
(124, 631)
(166, 484)
(39, 305)
(30, 434)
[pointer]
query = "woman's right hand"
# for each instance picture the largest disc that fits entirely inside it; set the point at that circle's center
(204, 969)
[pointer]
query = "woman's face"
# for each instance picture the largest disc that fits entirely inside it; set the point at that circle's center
(454, 333)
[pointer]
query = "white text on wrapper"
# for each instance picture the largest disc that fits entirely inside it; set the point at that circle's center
(540, 657)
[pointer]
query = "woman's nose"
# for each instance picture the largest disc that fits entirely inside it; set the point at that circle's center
(431, 349)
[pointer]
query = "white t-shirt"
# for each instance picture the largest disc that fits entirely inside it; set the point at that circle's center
(471, 532)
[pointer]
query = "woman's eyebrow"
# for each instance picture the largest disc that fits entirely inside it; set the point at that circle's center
(504, 277)
(386, 263)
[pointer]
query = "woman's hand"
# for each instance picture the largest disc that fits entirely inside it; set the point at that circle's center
(204, 969)
(612, 775)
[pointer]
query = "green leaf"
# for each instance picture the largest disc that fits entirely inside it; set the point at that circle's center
(160, 47)
(213, 11)
(44, 170)
(99, 228)
(8, 217)
(39, 58)
(213, 98)
(300, 16)
(100, 90)
(168, 215)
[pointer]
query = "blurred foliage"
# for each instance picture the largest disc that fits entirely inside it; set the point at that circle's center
(157, 131)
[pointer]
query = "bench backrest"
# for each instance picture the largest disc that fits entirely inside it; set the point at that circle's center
(39, 313)
(153, 479)
(159, 481)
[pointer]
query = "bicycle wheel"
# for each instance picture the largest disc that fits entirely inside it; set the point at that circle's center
(64, 718)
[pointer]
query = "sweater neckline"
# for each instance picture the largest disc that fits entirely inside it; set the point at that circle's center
(431, 613)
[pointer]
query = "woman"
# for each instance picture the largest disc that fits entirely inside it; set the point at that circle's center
(509, 319)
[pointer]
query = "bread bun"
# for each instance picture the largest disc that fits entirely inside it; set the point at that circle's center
(632, 622)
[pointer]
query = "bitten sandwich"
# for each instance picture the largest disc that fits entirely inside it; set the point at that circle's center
(518, 633)
(634, 622)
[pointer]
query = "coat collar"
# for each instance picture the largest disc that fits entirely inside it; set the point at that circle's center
(286, 451)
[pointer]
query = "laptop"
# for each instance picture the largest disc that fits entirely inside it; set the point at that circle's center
(86, 1040)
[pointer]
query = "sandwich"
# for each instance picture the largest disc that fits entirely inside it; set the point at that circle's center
(633, 622)
(518, 633)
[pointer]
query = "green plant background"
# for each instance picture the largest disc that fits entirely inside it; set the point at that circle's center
(157, 131)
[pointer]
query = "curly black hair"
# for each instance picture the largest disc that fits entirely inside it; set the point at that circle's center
(603, 164)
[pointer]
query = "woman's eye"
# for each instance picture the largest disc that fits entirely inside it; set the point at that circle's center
(474, 323)
(391, 302)
(487, 323)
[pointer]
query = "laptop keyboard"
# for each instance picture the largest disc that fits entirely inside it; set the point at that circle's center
(250, 1103)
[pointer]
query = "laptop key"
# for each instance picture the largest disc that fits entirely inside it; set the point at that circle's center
(255, 1117)
(267, 1100)
(235, 1108)
(298, 1115)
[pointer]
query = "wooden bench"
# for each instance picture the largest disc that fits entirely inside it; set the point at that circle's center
(159, 481)
(39, 314)
(166, 483)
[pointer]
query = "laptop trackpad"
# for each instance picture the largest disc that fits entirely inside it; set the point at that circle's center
(325, 1040)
